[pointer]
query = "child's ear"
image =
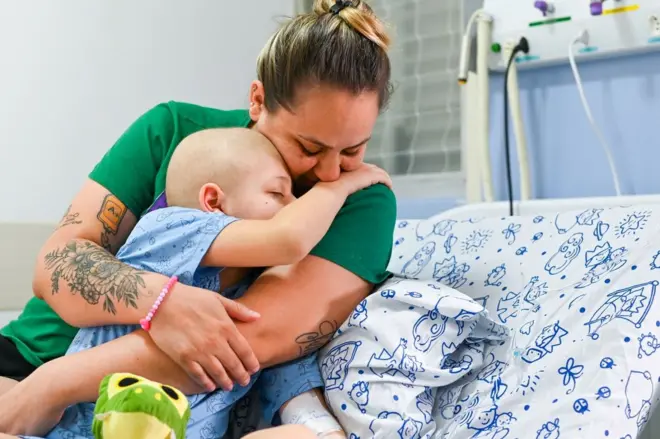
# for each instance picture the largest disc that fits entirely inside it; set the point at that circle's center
(211, 197)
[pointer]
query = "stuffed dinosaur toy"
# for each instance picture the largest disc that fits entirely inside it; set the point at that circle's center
(130, 406)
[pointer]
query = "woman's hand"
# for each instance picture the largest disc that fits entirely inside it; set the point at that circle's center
(194, 327)
(30, 409)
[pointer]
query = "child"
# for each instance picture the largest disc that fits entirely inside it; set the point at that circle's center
(231, 206)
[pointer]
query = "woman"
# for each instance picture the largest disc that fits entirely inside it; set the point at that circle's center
(323, 78)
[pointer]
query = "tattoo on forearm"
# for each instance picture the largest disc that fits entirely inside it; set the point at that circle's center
(312, 341)
(69, 218)
(94, 274)
(111, 213)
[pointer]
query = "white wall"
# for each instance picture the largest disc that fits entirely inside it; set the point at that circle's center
(75, 73)
(7, 316)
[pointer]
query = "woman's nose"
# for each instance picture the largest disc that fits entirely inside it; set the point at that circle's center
(328, 168)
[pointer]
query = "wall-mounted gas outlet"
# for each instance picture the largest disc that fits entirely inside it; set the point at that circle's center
(508, 47)
(654, 22)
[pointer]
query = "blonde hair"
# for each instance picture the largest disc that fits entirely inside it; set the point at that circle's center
(218, 155)
(347, 50)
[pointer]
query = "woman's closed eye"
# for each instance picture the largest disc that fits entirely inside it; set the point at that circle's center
(307, 151)
(352, 151)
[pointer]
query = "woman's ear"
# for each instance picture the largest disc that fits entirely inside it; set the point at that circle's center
(257, 100)
(211, 198)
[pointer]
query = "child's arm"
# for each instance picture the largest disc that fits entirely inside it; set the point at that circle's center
(309, 409)
(292, 233)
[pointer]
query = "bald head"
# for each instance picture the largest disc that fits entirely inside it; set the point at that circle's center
(222, 156)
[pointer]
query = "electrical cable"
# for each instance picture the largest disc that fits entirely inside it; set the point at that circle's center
(583, 37)
(522, 46)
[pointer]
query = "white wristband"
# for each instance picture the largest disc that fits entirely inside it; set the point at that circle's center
(306, 409)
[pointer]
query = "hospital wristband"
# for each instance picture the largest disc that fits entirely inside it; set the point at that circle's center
(145, 323)
(308, 410)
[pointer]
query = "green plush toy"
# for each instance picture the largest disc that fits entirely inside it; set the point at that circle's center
(130, 406)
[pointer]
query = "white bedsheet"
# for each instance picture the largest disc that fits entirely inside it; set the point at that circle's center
(578, 290)
(383, 369)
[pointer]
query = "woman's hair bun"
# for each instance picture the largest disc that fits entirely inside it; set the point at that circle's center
(359, 16)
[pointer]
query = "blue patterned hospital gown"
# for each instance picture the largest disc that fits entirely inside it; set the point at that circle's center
(173, 241)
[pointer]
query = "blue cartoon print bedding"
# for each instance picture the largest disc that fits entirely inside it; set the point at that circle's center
(386, 364)
(578, 292)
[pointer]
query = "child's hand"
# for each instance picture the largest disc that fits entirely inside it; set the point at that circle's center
(363, 177)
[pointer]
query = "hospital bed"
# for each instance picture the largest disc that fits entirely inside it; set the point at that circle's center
(576, 282)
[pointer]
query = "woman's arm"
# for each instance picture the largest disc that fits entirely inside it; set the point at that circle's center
(76, 272)
(189, 315)
(87, 286)
(301, 307)
(95, 225)
(77, 275)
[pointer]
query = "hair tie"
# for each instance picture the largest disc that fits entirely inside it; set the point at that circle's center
(339, 5)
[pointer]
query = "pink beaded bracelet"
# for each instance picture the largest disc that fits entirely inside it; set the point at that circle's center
(146, 322)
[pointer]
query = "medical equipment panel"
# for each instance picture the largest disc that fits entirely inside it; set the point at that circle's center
(613, 27)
